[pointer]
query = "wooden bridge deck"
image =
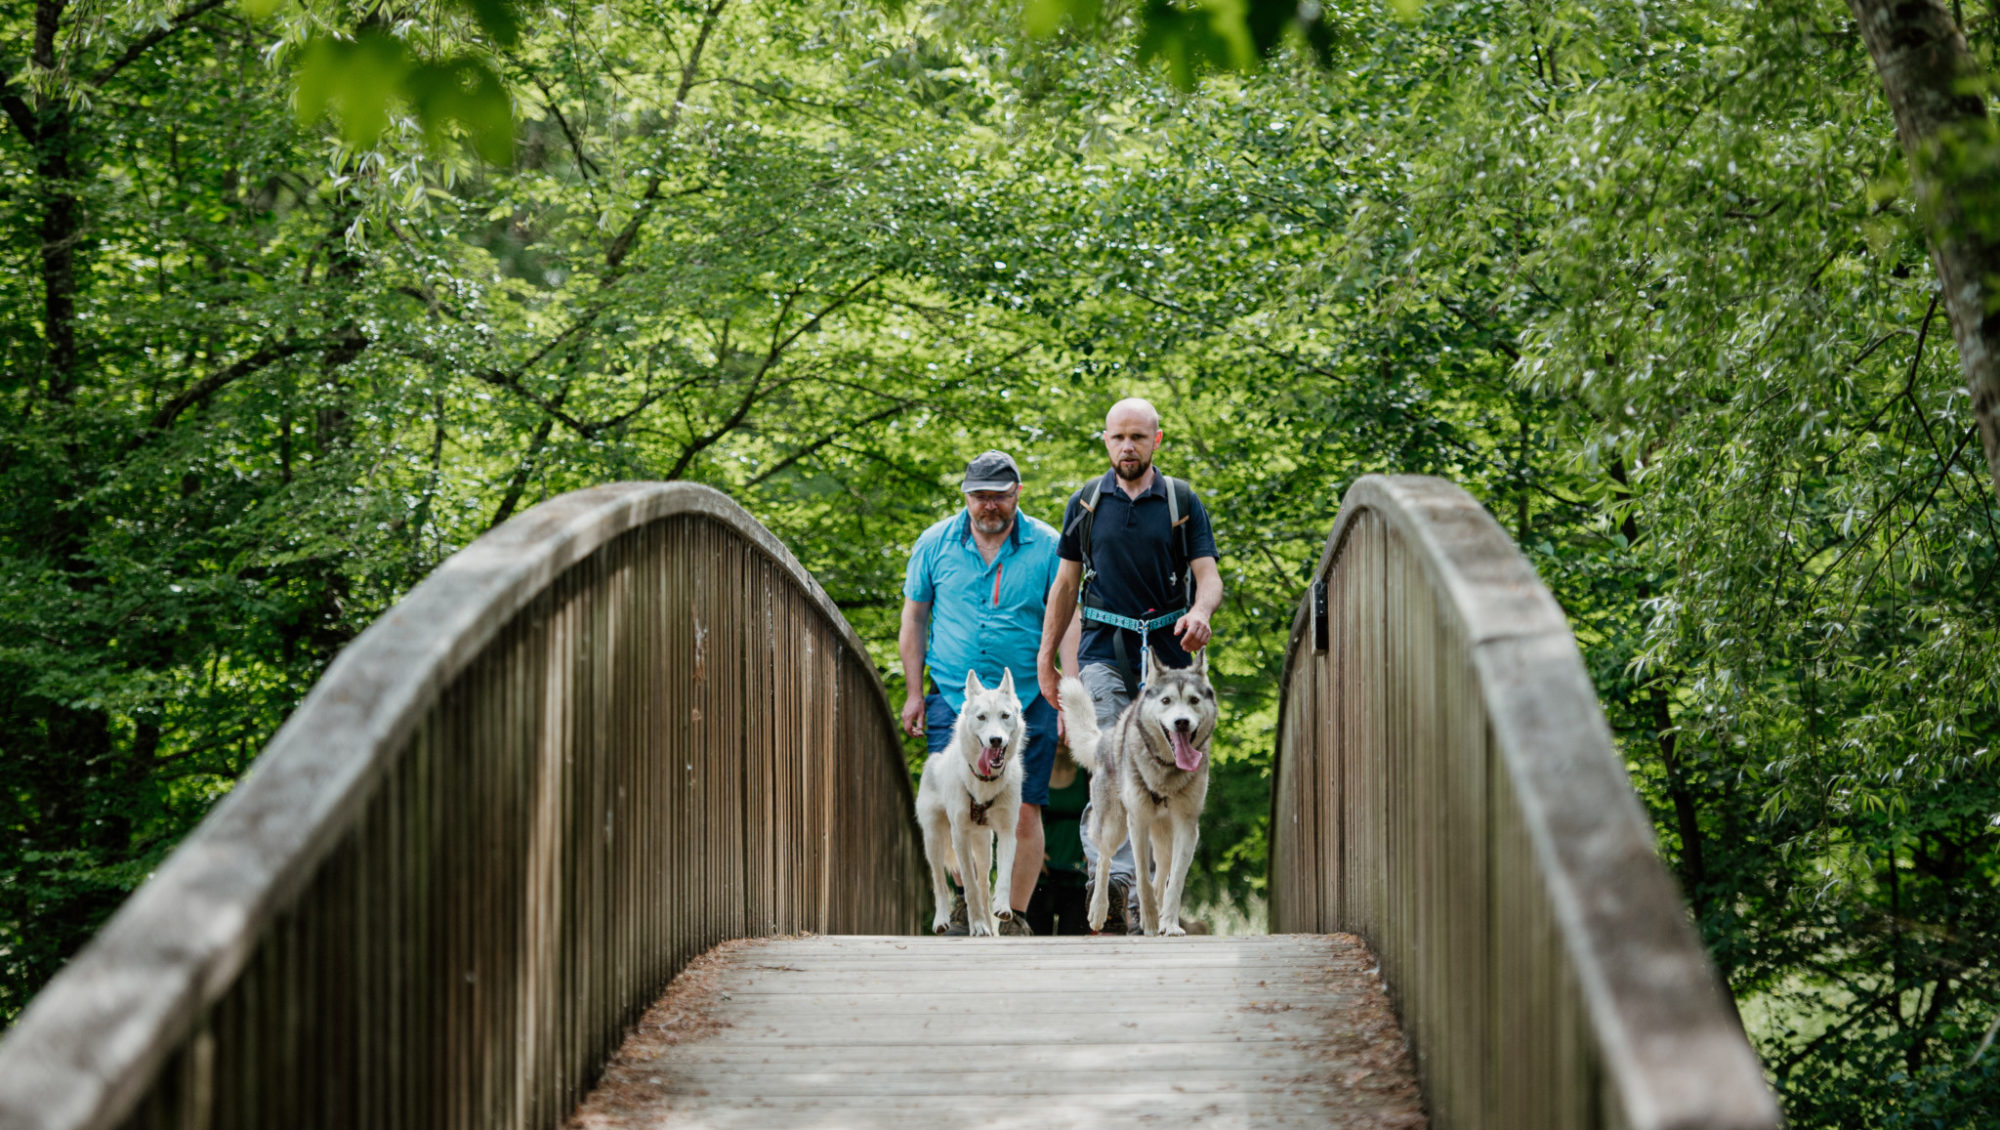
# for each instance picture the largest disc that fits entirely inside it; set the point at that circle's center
(818, 1032)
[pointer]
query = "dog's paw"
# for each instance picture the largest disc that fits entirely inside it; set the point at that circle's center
(1174, 931)
(1004, 913)
(981, 930)
(940, 924)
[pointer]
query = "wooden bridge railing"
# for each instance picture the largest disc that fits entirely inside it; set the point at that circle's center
(620, 728)
(1446, 787)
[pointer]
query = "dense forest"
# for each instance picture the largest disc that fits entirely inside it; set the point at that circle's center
(1654, 280)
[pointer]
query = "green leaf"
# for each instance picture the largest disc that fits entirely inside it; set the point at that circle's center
(1211, 35)
(498, 19)
(1044, 18)
(357, 80)
(353, 79)
(464, 90)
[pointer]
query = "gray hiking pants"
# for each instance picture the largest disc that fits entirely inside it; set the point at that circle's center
(1107, 692)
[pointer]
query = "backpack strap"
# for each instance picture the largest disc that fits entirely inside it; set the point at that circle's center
(1086, 498)
(1180, 508)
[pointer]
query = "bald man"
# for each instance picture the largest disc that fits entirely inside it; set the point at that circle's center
(1143, 573)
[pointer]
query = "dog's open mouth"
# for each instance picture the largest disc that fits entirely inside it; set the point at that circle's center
(991, 758)
(1186, 756)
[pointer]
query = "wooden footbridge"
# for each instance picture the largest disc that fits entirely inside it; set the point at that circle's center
(627, 727)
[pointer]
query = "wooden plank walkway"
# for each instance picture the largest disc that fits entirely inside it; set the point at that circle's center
(1030, 1033)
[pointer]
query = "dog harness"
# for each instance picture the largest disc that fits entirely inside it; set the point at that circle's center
(979, 810)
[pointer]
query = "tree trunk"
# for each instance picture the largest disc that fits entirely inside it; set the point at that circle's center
(1932, 82)
(62, 213)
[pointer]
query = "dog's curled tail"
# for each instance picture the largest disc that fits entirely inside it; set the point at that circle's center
(1080, 718)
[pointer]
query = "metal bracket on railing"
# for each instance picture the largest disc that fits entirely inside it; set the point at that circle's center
(1319, 615)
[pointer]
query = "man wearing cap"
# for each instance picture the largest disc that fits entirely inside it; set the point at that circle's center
(974, 598)
(1140, 547)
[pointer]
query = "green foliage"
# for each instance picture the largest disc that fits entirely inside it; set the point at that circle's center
(359, 78)
(1191, 38)
(1644, 278)
(362, 68)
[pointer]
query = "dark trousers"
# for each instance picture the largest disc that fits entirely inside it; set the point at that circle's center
(1058, 906)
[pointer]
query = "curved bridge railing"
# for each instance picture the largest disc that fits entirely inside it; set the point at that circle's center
(1446, 787)
(609, 734)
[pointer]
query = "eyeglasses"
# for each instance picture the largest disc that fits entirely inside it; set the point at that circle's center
(989, 497)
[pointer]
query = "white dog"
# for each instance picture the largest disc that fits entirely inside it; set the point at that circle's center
(969, 793)
(1149, 780)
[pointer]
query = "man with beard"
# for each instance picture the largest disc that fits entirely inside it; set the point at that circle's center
(1138, 545)
(974, 598)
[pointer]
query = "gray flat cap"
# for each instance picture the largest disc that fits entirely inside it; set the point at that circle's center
(992, 470)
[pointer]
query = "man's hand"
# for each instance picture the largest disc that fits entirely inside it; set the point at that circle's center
(1192, 631)
(913, 715)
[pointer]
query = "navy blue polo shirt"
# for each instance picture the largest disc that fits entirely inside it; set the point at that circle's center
(1132, 553)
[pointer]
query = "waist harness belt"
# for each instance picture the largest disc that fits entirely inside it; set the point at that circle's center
(1145, 627)
(1128, 670)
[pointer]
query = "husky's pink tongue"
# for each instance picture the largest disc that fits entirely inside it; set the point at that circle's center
(989, 761)
(1185, 755)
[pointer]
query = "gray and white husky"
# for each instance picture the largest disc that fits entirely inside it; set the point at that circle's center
(971, 792)
(1148, 781)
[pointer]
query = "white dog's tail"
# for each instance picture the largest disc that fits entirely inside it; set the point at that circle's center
(1080, 718)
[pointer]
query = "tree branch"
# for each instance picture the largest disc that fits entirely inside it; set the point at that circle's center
(17, 108)
(512, 383)
(208, 386)
(1933, 81)
(584, 164)
(621, 244)
(1858, 1015)
(147, 42)
(1284, 355)
(815, 446)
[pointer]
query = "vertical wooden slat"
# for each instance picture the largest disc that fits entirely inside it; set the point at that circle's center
(615, 731)
(1477, 829)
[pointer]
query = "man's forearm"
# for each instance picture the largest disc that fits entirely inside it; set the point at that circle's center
(1207, 590)
(910, 646)
(1056, 620)
(1208, 596)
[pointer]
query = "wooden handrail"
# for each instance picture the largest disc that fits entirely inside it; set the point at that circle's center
(1446, 786)
(610, 733)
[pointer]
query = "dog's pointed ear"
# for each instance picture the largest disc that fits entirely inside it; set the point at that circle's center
(972, 684)
(1007, 680)
(1200, 664)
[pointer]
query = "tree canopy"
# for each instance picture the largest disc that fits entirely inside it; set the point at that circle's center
(1650, 279)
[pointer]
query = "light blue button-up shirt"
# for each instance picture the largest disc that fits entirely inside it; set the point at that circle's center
(985, 618)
